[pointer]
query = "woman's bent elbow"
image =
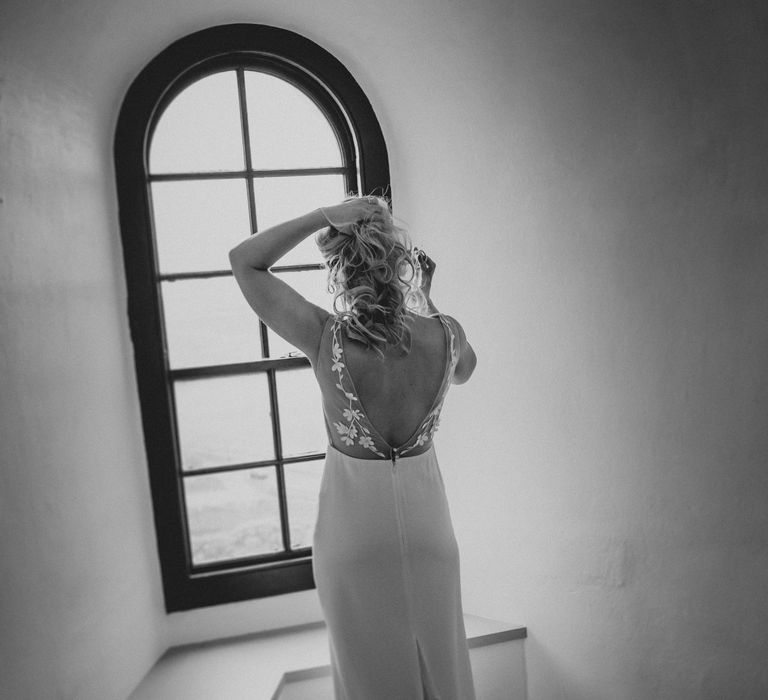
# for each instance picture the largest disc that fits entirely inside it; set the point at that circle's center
(465, 368)
(234, 256)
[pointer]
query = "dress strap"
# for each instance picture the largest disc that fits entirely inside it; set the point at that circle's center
(453, 349)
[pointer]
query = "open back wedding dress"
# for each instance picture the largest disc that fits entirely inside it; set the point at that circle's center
(385, 558)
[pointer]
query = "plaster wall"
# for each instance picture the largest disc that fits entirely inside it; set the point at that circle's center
(80, 598)
(590, 178)
(617, 501)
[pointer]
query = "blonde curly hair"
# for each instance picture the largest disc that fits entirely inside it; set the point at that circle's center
(373, 277)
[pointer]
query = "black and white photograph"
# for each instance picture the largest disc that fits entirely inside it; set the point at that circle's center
(383, 350)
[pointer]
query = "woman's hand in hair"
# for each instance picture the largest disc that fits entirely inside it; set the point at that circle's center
(427, 269)
(352, 210)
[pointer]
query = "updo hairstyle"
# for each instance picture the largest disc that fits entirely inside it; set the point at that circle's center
(373, 277)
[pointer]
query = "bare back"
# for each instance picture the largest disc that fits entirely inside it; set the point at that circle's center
(398, 391)
(391, 405)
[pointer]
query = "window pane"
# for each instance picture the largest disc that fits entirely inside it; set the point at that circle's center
(302, 485)
(225, 420)
(198, 222)
(282, 198)
(312, 285)
(287, 129)
(233, 514)
(301, 414)
(208, 322)
(200, 130)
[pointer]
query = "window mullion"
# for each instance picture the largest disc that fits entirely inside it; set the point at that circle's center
(263, 464)
(247, 149)
(208, 274)
(288, 363)
(262, 327)
(238, 174)
(249, 184)
(281, 494)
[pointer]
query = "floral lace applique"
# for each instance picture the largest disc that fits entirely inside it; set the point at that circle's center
(353, 428)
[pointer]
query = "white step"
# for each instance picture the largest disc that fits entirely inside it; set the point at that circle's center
(251, 667)
(496, 653)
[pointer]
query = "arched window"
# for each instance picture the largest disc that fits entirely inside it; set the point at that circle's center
(226, 132)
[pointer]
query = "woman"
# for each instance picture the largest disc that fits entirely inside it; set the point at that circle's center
(385, 558)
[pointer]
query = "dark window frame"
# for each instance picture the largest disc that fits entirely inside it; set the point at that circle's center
(316, 71)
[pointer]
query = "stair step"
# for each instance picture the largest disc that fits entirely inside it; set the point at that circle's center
(498, 667)
(251, 667)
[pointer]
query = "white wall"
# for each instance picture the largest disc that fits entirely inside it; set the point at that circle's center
(589, 177)
(615, 208)
(81, 613)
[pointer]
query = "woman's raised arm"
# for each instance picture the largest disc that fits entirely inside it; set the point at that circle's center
(467, 358)
(280, 306)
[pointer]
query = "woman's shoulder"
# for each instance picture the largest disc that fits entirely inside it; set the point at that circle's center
(452, 324)
(325, 333)
(429, 331)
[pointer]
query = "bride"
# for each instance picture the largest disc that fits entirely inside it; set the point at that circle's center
(385, 558)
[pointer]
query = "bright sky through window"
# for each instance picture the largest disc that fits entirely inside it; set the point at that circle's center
(201, 184)
(224, 133)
